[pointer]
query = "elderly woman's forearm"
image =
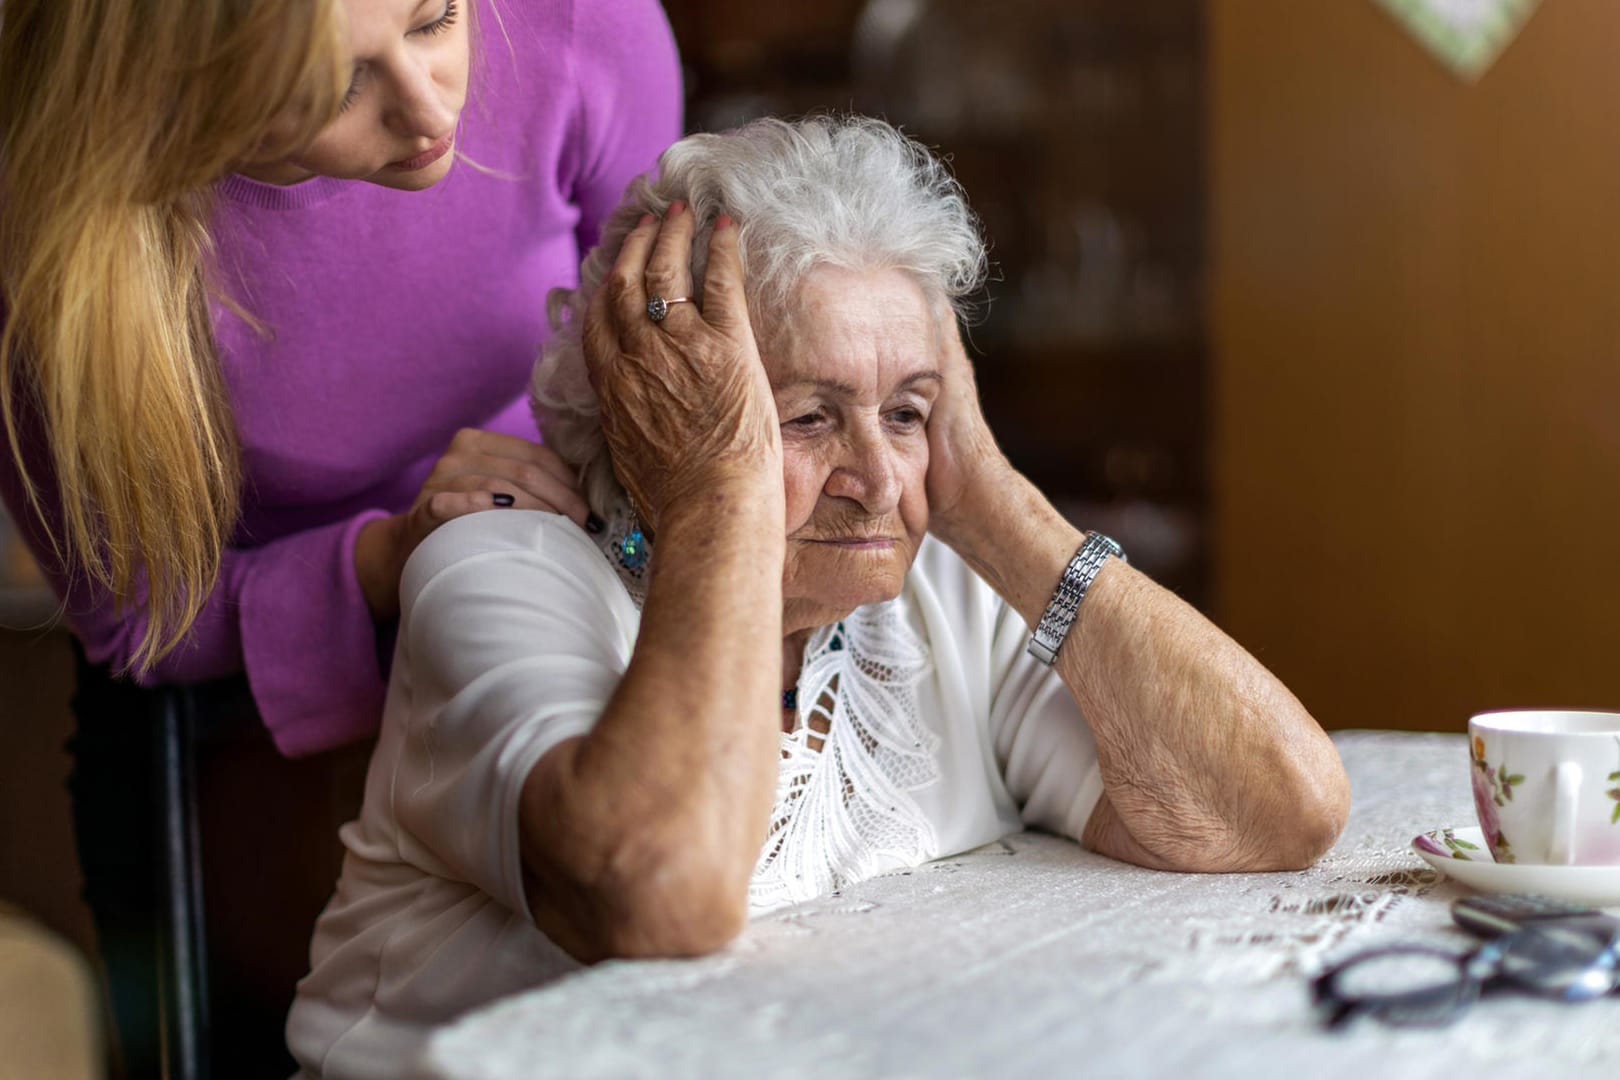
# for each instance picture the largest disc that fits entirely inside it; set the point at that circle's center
(1208, 760)
(642, 838)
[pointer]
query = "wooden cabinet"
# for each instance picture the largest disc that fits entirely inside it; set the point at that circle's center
(1076, 128)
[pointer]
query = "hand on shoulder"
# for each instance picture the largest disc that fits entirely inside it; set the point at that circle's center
(480, 470)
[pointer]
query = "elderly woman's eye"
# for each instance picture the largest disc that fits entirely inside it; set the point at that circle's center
(907, 417)
(808, 420)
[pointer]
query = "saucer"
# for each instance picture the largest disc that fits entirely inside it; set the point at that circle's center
(1463, 855)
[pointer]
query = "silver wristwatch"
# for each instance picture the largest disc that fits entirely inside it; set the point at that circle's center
(1077, 578)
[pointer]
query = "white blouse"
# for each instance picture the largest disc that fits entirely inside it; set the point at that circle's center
(924, 731)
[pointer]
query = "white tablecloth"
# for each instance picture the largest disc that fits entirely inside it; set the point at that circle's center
(1035, 958)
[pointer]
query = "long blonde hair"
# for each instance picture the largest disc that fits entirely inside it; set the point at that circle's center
(116, 117)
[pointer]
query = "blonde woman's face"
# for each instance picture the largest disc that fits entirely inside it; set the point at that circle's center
(408, 85)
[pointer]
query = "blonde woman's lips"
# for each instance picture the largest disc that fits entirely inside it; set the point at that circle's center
(426, 157)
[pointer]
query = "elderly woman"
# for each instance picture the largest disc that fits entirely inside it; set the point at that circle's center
(798, 653)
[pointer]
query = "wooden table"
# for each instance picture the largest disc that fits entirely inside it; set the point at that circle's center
(1035, 958)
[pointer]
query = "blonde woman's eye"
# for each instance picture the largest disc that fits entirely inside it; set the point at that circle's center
(443, 22)
(351, 95)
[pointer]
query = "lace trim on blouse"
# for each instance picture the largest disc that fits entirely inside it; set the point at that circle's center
(858, 750)
(844, 806)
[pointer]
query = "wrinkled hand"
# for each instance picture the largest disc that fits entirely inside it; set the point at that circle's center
(685, 402)
(964, 463)
(480, 470)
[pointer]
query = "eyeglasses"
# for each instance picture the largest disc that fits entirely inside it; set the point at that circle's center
(1574, 959)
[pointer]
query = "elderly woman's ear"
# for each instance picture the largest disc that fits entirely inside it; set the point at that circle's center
(684, 397)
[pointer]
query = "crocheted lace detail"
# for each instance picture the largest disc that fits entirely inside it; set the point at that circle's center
(858, 750)
(844, 809)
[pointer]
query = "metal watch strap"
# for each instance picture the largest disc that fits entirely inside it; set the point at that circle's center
(1077, 578)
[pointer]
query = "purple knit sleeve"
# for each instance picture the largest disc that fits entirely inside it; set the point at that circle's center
(308, 642)
(289, 613)
(629, 85)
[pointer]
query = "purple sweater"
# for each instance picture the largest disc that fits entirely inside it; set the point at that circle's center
(394, 319)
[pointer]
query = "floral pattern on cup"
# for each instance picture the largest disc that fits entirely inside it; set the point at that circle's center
(1454, 847)
(1614, 792)
(1493, 787)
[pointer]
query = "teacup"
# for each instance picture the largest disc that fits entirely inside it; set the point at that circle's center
(1547, 785)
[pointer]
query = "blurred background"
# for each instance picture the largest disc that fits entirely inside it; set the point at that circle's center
(1318, 328)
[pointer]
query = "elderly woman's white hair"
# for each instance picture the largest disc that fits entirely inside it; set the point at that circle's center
(850, 192)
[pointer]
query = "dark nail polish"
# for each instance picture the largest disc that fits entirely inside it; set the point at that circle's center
(594, 524)
(503, 499)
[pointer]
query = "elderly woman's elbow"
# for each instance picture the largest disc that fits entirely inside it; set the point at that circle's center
(1310, 824)
(679, 907)
(674, 932)
(1290, 830)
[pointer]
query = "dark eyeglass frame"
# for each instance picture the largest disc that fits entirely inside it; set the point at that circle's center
(1571, 959)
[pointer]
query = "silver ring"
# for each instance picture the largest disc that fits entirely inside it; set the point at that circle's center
(658, 307)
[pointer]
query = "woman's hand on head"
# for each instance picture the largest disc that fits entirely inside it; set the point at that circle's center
(686, 405)
(964, 464)
(480, 470)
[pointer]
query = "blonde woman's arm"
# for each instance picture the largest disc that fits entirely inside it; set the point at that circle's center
(290, 613)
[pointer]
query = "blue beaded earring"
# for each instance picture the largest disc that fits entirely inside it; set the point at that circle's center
(633, 546)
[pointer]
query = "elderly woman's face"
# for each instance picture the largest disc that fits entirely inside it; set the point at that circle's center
(855, 373)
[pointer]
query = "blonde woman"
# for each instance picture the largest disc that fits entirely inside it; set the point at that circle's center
(263, 333)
